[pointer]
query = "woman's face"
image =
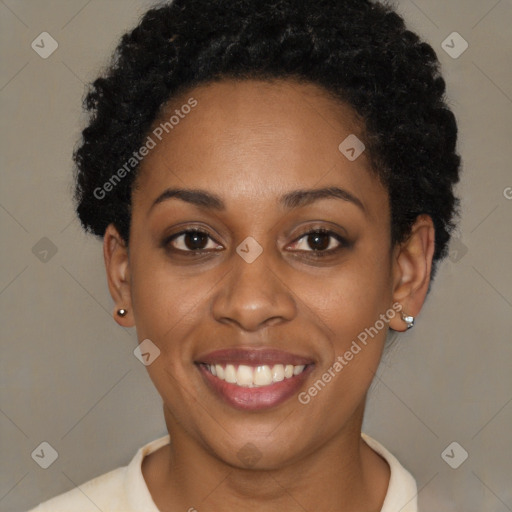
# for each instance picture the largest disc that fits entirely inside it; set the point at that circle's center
(258, 291)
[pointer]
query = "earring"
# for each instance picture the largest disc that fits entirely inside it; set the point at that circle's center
(408, 319)
(122, 312)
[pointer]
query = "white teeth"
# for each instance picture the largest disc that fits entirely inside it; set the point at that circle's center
(262, 376)
(278, 373)
(230, 374)
(219, 371)
(244, 375)
(249, 376)
(298, 369)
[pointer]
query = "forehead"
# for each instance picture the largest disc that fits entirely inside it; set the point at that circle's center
(254, 140)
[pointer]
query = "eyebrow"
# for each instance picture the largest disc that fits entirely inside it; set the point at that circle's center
(290, 200)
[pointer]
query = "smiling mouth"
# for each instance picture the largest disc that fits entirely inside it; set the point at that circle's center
(254, 376)
(254, 379)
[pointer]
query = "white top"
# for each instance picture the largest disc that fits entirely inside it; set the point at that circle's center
(124, 489)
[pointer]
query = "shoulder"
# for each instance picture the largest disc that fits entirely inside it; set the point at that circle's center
(402, 489)
(120, 490)
(104, 492)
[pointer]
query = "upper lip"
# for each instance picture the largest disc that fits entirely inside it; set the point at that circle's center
(252, 357)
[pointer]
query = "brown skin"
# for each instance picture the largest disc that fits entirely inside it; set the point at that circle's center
(249, 143)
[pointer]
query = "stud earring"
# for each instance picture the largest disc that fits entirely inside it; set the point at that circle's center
(122, 312)
(408, 319)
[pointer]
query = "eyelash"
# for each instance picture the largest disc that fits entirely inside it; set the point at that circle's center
(343, 243)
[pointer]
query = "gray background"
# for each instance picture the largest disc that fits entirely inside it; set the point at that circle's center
(68, 373)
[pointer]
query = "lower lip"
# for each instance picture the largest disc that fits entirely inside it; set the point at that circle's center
(257, 398)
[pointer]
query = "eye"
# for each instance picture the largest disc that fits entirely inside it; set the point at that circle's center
(192, 240)
(320, 242)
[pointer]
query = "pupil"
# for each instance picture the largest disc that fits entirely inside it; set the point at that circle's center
(195, 239)
(314, 243)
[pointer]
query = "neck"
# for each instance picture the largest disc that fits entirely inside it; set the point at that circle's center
(342, 474)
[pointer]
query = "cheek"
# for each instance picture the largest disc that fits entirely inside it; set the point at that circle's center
(351, 305)
(171, 306)
(351, 297)
(168, 308)
(350, 302)
(165, 303)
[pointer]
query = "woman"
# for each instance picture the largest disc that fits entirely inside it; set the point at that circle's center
(273, 183)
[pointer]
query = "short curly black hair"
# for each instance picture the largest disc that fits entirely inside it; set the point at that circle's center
(359, 51)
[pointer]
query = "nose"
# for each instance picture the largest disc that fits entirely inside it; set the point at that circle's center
(253, 296)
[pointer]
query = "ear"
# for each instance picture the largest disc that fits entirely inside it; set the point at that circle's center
(115, 253)
(412, 265)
